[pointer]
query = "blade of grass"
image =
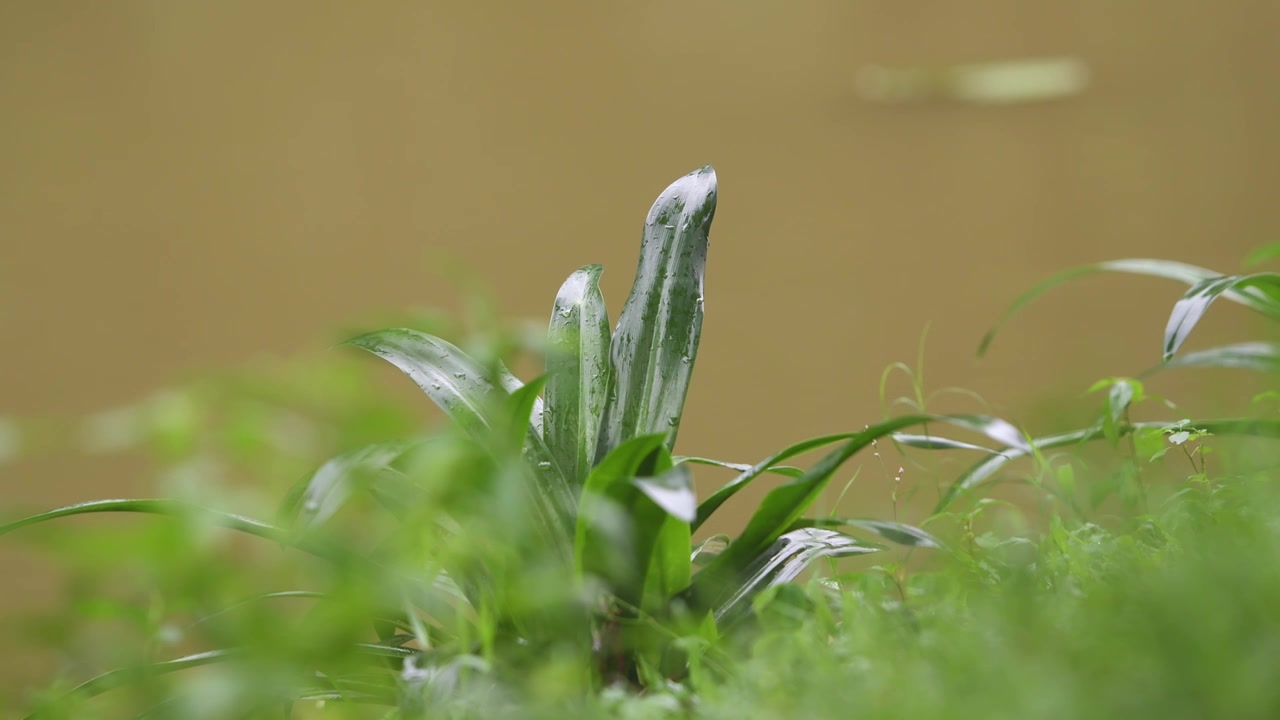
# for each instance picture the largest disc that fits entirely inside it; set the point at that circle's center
(992, 427)
(1193, 305)
(1181, 272)
(1260, 356)
(894, 532)
(985, 469)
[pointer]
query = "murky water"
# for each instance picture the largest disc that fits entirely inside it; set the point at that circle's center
(190, 185)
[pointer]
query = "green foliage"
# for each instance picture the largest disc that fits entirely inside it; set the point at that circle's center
(537, 555)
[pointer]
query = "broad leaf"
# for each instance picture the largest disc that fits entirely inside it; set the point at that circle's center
(578, 372)
(784, 560)
(783, 470)
(633, 529)
(451, 378)
(656, 342)
(1253, 298)
(934, 442)
(457, 383)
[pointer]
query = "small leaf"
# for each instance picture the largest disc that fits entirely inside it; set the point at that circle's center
(933, 442)
(318, 496)
(653, 350)
(995, 428)
(672, 491)
(987, 468)
(1262, 254)
(783, 470)
(706, 551)
(1181, 272)
(786, 503)
(578, 372)
(1188, 310)
(1259, 356)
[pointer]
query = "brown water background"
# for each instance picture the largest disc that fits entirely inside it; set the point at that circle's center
(191, 185)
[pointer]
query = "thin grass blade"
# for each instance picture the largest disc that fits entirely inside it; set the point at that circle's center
(893, 531)
(995, 428)
(785, 504)
(1180, 272)
(987, 468)
(783, 470)
(1193, 305)
(1259, 356)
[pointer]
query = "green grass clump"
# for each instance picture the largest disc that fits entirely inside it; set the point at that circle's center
(538, 556)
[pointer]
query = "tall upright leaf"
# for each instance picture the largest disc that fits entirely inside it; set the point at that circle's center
(656, 341)
(578, 372)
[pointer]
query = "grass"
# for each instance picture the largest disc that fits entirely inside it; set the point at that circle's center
(537, 556)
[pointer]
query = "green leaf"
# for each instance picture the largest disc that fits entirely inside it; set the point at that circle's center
(1188, 310)
(987, 468)
(785, 504)
(933, 442)
(520, 408)
(1259, 356)
(731, 488)
(451, 378)
(172, 508)
(318, 496)
(783, 470)
(784, 560)
(578, 372)
(706, 551)
(1262, 254)
(189, 512)
(1181, 272)
(670, 566)
(633, 531)
(893, 531)
(656, 342)
(995, 428)
(457, 383)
